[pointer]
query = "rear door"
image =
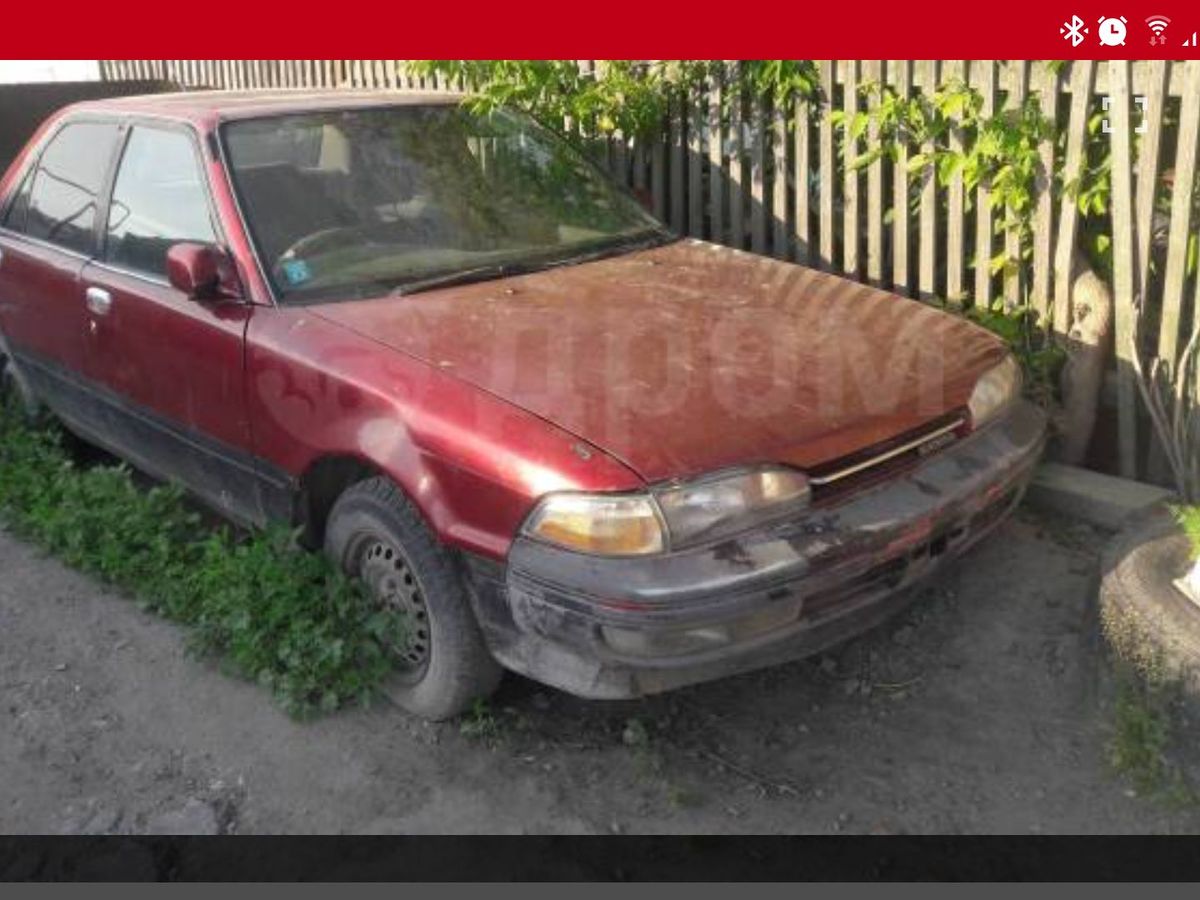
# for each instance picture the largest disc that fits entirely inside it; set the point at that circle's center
(47, 234)
(169, 369)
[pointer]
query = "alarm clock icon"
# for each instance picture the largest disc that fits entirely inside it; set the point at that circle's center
(1112, 31)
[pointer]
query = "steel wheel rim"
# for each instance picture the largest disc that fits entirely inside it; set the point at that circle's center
(393, 588)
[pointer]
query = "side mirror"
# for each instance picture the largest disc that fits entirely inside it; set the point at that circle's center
(203, 272)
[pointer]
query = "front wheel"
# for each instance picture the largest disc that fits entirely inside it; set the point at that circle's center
(442, 665)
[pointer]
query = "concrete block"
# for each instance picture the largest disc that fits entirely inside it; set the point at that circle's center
(1102, 500)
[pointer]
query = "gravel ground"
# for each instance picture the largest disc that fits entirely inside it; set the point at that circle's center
(985, 708)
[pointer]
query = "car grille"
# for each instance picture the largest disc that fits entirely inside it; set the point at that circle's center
(864, 468)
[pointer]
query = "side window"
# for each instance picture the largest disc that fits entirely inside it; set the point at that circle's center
(158, 200)
(14, 218)
(66, 188)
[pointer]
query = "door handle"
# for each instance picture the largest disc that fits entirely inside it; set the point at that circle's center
(99, 301)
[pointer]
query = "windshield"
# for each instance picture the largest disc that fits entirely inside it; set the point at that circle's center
(347, 203)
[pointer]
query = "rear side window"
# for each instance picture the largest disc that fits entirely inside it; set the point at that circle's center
(14, 218)
(67, 184)
(158, 200)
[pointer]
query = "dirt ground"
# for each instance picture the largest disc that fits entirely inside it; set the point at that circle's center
(986, 708)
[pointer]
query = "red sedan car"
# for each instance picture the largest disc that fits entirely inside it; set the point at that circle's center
(545, 432)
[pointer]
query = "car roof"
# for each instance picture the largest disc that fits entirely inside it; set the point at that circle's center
(210, 107)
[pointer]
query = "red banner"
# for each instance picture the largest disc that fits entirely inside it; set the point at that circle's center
(1058, 29)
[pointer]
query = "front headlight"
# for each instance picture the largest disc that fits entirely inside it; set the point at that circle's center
(723, 503)
(605, 524)
(638, 524)
(999, 386)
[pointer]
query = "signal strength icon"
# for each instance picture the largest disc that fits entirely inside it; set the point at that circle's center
(1190, 42)
(1158, 24)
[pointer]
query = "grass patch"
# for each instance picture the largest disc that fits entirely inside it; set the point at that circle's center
(480, 723)
(1188, 518)
(1142, 739)
(274, 613)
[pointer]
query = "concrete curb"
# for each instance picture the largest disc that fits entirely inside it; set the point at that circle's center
(1102, 500)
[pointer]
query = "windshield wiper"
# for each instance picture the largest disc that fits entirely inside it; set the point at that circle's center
(449, 279)
(607, 247)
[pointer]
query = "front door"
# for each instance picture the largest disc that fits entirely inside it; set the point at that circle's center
(168, 369)
(47, 234)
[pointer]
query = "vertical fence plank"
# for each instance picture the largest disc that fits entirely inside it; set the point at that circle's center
(1123, 264)
(825, 162)
(1018, 73)
(873, 74)
(1152, 86)
(985, 82)
(736, 167)
(658, 172)
(955, 204)
(850, 174)
(761, 138)
(696, 166)
(1180, 225)
(679, 118)
(779, 181)
(1155, 93)
(927, 272)
(716, 167)
(637, 157)
(1082, 75)
(1043, 216)
(801, 162)
(619, 159)
(901, 280)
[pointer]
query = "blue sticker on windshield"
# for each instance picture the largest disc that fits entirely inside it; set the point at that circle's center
(296, 271)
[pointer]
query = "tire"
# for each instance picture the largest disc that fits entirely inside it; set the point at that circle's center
(443, 665)
(1146, 619)
(15, 389)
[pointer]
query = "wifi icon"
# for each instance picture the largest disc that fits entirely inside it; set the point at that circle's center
(1158, 24)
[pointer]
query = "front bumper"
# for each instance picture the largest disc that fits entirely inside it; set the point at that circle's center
(624, 627)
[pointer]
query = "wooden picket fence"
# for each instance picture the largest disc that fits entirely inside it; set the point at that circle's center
(774, 181)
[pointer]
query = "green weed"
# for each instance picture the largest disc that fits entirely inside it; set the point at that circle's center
(1141, 739)
(274, 613)
(1041, 360)
(480, 723)
(1188, 518)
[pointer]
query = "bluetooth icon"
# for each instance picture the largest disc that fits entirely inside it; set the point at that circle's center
(1073, 31)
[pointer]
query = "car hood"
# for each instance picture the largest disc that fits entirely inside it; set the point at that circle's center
(691, 357)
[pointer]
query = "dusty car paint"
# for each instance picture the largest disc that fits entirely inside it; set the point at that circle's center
(691, 357)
